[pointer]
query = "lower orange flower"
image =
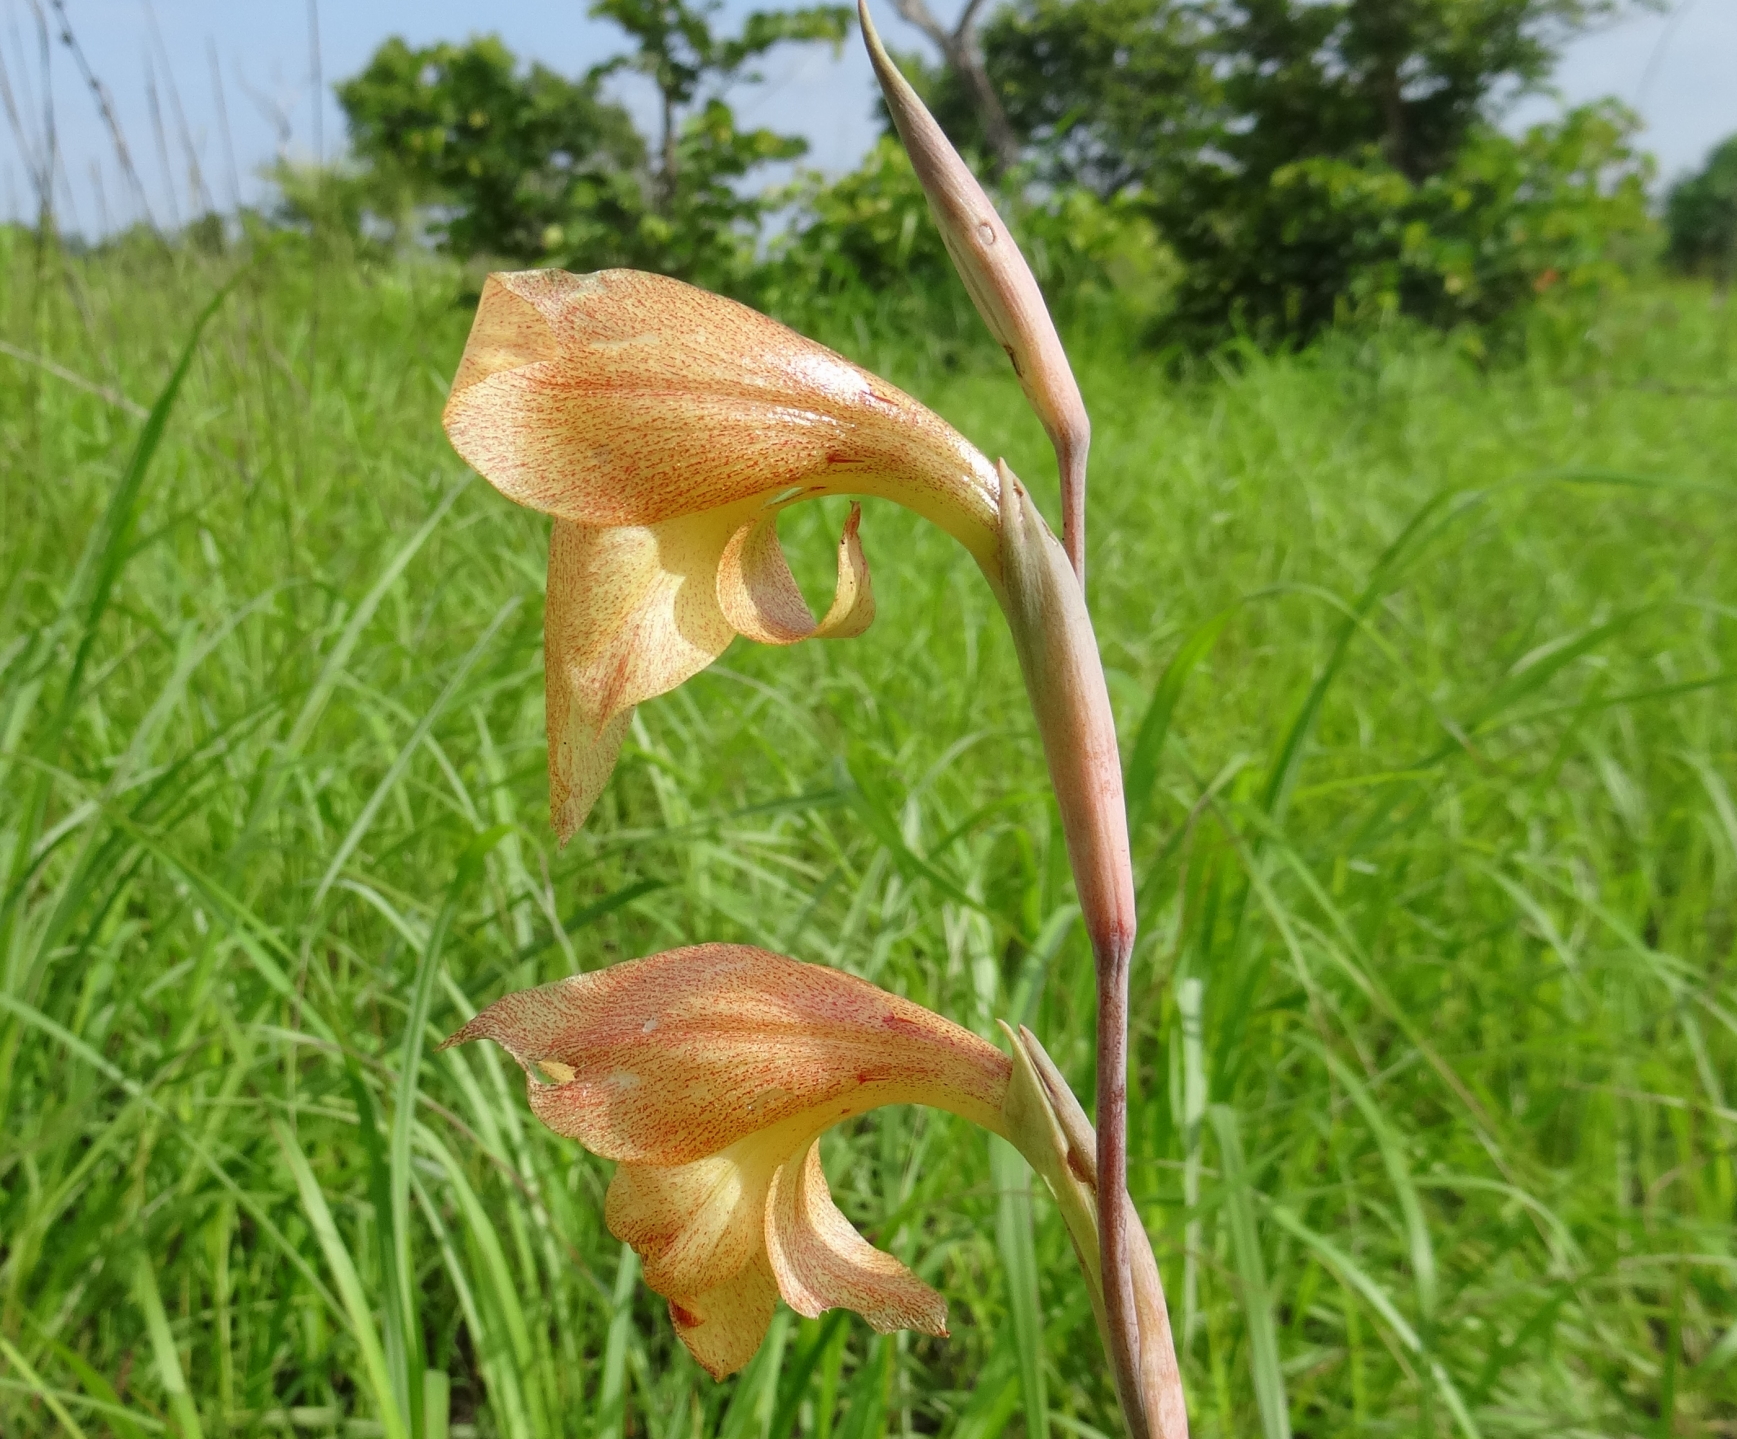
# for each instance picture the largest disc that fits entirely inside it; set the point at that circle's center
(710, 1074)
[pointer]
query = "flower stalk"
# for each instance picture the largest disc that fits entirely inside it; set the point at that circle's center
(665, 430)
(709, 1074)
(1058, 654)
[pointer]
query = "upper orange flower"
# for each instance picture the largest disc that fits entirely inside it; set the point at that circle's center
(664, 428)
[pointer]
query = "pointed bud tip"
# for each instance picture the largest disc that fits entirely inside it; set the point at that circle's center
(999, 281)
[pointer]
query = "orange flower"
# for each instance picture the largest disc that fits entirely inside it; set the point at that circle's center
(665, 429)
(710, 1073)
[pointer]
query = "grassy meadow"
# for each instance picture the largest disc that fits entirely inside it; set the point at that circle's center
(1424, 676)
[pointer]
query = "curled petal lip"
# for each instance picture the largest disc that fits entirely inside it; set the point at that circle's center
(821, 1262)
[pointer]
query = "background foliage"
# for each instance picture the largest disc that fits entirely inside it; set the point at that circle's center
(1422, 671)
(1701, 211)
(1261, 170)
(514, 158)
(1420, 647)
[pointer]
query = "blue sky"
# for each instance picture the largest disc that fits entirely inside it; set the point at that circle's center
(1676, 67)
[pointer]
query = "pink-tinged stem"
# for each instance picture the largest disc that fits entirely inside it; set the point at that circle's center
(1058, 653)
(1113, 1207)
(1073, 501)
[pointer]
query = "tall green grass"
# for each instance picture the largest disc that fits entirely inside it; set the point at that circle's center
(1424, 678)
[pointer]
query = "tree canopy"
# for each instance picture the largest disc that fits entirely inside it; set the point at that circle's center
(1701, 215)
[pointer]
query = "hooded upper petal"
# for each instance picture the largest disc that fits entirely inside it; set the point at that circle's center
(673, 1058)
(624, 398)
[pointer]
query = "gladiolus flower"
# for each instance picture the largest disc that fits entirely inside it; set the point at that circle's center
(665, 428)
(710, 1074)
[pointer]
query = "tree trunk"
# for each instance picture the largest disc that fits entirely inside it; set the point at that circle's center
(964, 56)
(666, 180)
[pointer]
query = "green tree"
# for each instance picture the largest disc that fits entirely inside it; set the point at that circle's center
(1306, 159)
(1558, 211)
(691, 66)
(703, 223)
(1098, 91)
(1403, 94)
(530, 164)
(1701, 216)
(1302, 77)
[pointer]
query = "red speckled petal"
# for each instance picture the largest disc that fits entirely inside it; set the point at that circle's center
(631, 613)
(821, 1262)
(724, 1326)
(623, 398)
(676, 1057)
(694, 1225)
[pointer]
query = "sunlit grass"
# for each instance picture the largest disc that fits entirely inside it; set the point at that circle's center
(1422, 675)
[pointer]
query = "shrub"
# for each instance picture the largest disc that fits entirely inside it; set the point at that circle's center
(526, 164)
(1701, 216)
(1558, 211)
(856, 241)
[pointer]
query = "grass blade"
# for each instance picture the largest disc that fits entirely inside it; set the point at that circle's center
(106, 553)
(612, 1393)
(163, 1352)
(389, 781)
(1148, 747)
(1251, 1271)
(1018, 1250)
(40, 1390)
(349, 1285)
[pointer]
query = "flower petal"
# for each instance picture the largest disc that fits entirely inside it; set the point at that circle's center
(724, 1326)
(853, 602)
(641, 398)
(758, 594)
(821, 1262)
(631, 613)
(694, 1225)
(678, 1056)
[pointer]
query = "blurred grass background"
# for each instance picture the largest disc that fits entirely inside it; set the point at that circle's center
(1423, 675)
